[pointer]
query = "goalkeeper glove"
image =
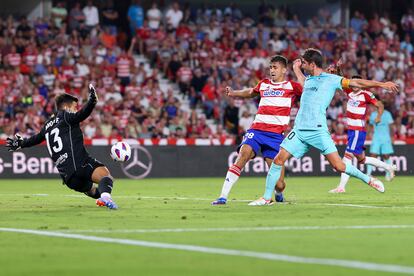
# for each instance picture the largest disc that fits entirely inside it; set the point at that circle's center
(14, 144)
(92, 93)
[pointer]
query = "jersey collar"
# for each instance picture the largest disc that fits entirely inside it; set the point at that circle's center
(277, 83)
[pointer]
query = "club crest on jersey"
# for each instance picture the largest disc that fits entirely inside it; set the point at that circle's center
(273, 93)
(353, 103)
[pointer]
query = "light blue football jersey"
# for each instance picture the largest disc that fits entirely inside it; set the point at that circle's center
(382, 129)
(318, 92)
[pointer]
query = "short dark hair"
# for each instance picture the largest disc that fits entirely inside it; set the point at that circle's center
(64, 99)
(313, 55)
(281, 59)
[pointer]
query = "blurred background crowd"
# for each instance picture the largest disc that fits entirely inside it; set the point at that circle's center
(165, 75)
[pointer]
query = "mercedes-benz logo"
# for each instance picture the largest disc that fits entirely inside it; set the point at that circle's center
(140, 163)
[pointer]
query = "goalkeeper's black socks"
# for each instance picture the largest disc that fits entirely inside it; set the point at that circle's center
(105, 186)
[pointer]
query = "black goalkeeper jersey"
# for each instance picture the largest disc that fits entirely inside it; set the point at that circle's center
(64, 139)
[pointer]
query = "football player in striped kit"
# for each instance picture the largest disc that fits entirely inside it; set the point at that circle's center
(356, 116)
(277, 96)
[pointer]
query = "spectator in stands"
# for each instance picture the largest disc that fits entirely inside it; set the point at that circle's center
(124, 63)
(135, 16)
(59, 13)
(110, 17)
(107, 37)
(184, 76)
(91, 15)
(245, 122)
(407, 22)
(76, 17)
(154, 16)
(406, 45)
(197, 83)
(231, 118)
(209, 95)
(173, 67)
(174, 15)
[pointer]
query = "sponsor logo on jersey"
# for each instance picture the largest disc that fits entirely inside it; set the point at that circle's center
(273, 93)
(353, 103)
(62, 158)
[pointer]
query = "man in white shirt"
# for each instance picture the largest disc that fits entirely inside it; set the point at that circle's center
(245, 121)
(174, 15)
(154, 16)
(91, 15)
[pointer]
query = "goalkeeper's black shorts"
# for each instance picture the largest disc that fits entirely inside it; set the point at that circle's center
(81, 180)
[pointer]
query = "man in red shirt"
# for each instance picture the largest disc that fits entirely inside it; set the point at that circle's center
(277, 97)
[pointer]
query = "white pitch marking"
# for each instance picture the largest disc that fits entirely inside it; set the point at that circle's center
(229, 252)
(238, 229)
(354, 205)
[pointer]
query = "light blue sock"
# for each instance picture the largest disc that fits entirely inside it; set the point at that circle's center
(271, 179)
(388, 162)
(353, 171)
(369, 169)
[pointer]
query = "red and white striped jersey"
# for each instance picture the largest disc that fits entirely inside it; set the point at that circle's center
(77, 81)
(68, 71)
(30, 59)
(356, 109)
(133, 90)
(14, 59)
(276, 101)
(108, 81)
(123, 66)
(185, 74)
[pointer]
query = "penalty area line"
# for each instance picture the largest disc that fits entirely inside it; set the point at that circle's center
(222, 251)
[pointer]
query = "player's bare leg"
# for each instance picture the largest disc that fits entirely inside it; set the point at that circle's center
(273, 176)
(280, 185)
(102, 176)
(345, 177)
(245, 154)
(340, 166)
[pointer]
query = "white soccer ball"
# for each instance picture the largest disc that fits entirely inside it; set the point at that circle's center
(121, 152)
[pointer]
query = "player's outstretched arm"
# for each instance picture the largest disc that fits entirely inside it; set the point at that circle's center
(361, 83)
(86, 110)
(18, 142)
(298, 72)
(242, 93)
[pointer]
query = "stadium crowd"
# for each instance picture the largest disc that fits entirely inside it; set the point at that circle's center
(201, 50)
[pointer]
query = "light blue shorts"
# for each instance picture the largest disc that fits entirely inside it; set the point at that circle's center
(298, 142)
(381, 148)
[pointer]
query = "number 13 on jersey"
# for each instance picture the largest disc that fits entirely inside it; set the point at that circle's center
(57, 144)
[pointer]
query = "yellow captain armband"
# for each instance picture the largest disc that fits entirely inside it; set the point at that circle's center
(345, 83)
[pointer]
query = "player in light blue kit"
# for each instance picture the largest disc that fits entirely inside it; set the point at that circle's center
(310, 128)
(382, 139)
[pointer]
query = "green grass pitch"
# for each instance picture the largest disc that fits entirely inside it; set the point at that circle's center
(178, 212)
